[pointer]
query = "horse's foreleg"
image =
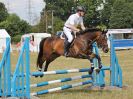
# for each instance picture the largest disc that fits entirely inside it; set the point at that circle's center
(91, 62)
(92, 56)
(92, 66)
(99, 61)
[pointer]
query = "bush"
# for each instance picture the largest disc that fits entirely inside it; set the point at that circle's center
(16, 39)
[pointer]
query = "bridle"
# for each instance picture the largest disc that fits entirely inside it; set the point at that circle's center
(92, 41)
(98, 38)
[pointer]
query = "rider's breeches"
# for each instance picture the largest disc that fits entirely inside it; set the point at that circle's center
(68, 33)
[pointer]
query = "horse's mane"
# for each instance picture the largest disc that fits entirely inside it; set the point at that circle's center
(90, 30)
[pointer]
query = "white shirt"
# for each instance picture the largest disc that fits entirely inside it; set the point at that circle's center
(75, 20)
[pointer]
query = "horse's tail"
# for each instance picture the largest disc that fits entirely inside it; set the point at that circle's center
(40, 54)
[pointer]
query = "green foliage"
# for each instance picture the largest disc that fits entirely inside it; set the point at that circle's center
(102, 27)
(58, 24)
(62, 8)
(121, 15)
(115, 14)
(92, 17)
(35, 28)
(105, 13)
(3, 12)
(16, 38)
(14, 25)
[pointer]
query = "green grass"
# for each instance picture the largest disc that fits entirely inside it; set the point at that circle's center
(125, 60)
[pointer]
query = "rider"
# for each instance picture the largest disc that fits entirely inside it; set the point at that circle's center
(71, 25)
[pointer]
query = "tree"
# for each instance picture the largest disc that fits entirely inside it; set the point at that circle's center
(106, 12)
(14, 25)
(101, 13)
(92, 17)
(55, 11)
(3, 12)
(65, 8)
(62, 8)
(58, 24)
(121, 16)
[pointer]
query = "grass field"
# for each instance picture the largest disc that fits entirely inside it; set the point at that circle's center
(125, 59)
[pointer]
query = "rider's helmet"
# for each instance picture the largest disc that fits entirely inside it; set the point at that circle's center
(80, 8)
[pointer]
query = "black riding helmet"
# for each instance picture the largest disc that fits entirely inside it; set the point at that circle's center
(80, 8)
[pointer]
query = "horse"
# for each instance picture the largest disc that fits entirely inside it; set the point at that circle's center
(53, 47)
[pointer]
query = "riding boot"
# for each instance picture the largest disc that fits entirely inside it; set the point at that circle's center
(66, 48)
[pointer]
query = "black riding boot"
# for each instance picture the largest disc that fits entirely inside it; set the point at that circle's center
(66, 48)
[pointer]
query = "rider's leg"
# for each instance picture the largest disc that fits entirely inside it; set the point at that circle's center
(66, 47)
(67, 42)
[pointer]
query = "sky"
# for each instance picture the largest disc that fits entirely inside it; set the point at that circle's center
(20, 7)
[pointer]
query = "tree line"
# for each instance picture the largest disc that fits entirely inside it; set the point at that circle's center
(99, 13)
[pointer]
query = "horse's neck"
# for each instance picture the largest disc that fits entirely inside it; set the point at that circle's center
(87, 37)
(84, 40)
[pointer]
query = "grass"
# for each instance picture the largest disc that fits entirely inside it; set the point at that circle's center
(125, 60)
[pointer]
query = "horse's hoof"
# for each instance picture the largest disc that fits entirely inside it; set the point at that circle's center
(36, 76)
(100, 67)
(41, 76)
(97, 70)
(90, 72)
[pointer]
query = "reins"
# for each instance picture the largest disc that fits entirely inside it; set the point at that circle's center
(92, 41)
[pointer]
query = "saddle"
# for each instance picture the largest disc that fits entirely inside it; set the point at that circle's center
(63, 36)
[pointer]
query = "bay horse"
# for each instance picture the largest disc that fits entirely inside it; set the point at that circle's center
(53, 47)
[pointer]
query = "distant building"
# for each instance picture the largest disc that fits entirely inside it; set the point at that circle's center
(3, 36)
(35, 39)
(123, 38)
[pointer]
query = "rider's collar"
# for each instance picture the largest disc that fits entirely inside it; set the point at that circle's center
(77, 14)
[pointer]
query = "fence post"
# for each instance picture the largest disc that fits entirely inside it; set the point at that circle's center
(27, 60)
(8, 68)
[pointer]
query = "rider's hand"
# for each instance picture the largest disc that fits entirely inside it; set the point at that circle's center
(78, 30)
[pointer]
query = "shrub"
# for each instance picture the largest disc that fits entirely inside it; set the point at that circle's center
(16, 39)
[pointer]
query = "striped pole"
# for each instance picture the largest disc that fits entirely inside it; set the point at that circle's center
(61, 88)
(65, 71)
(59, 81)
(60, 72)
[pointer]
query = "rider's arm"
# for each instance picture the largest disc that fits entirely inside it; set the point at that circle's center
(71, 24)
(82, 26)
(73, 28)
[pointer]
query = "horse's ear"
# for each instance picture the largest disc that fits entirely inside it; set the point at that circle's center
(105, 31)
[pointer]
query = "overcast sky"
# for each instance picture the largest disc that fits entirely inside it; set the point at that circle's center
(20, 7)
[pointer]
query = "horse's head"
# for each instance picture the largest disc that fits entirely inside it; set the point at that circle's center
(102, 40)
(95, 34)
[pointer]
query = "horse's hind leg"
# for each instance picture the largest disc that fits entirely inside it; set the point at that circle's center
(45, 68)
(49, 60)
(41, 62)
